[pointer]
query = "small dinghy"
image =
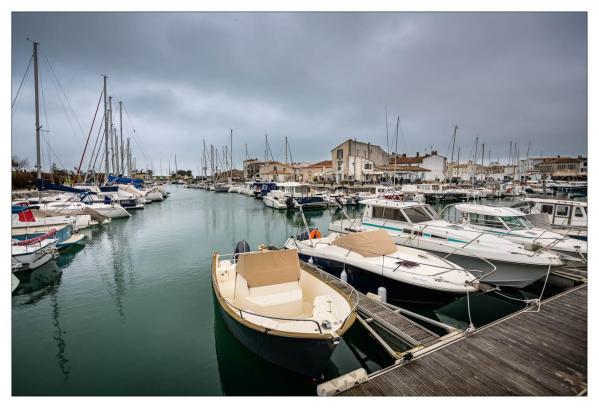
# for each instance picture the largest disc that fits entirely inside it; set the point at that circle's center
(283, 313)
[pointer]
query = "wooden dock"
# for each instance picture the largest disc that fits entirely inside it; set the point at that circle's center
(527, 353)
(399, 335)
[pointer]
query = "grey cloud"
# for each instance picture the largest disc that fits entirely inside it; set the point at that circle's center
(318, 78)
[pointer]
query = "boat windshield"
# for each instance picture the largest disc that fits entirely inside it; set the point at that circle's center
(417, 214)
(516, 222)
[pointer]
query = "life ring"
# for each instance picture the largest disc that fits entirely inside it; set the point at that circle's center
(315, 234)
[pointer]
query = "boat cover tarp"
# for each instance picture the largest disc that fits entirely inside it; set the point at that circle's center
(269, 267)
(43, 185)
(368, 243)
(125, 180)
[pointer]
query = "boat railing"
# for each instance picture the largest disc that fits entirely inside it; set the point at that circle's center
(233, 259)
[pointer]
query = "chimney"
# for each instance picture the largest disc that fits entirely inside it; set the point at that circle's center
(558, 156)
(417, 154)
(403, 155)
(579, 156)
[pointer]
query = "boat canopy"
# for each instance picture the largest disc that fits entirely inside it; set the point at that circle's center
(266, 268)
(368, 243)
(490, 210)
(125, 180)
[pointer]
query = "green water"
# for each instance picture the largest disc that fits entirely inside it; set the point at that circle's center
(132, 313)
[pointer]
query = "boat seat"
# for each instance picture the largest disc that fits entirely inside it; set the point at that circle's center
(283, 299)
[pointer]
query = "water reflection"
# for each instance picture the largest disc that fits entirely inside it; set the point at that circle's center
(61, 345)
(37, 283)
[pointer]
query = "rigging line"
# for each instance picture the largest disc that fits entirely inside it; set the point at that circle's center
(63, 92)
(100, 128)
(50, 150)
(45, 126)
(21, 84)
(62, 103)
(89, 134)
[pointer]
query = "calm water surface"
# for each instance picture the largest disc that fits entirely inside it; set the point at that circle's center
(133, 313)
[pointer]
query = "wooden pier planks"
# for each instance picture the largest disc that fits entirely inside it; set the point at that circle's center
(528, 353)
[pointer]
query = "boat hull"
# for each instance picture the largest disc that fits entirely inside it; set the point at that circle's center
(507, 274)
(305, 356)
(397, 292)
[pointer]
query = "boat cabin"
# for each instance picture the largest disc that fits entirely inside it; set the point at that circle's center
(412, 213)
(560, 212)
(499, 218)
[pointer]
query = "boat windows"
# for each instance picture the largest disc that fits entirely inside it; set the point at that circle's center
(562, 210)
(489, 221)
(547, 209)
(417, 214)
(387, 213)
(578, 212)
(516, 222)
(432, 212)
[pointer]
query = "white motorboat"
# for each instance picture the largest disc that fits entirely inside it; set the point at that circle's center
(371, 259)
(275, 199)
(418, 225)
(511, 224)
(566, 217)
(112, 210)
(299, 194)
(283, 313)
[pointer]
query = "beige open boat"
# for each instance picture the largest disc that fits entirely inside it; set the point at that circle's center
(283, 313)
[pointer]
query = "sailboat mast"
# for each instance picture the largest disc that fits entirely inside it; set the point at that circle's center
(482, 162)
(38, 158)
(231, 155)
(122, 169)
(106, 164)
(128, 157)
(455, 130)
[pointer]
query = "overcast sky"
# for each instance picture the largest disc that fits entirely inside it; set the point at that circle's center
(318, 78)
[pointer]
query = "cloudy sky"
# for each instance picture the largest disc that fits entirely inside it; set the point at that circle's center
(317, 78)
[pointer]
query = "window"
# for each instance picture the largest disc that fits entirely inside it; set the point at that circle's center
(417, 214)
(547, 209)
(386, 213)
(339, 154)
(562, 210)
(367, 166)
(578, 212)
(432, 212)
(516, 222)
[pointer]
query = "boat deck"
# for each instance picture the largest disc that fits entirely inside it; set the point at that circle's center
(401, 334)
(527, 353)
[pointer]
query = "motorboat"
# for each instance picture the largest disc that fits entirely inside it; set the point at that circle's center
(70, 206)
(299, 194)
(417, 225)
(284, 312)
(371, 259)
(32, 253)
(247, 188)
(511, 224)
(221, 188)
(566, 217)
(275, 199)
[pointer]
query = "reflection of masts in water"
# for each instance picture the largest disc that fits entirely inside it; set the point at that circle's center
(63, 362)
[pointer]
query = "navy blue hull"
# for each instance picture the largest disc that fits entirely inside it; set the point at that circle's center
(305, 356)
(397, 292)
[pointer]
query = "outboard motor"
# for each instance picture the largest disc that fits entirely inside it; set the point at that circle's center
(289, 202)
(241, 247)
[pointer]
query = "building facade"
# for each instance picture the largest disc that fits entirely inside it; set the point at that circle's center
(356, 161)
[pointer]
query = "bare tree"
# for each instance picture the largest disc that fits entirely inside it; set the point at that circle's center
(19, 164)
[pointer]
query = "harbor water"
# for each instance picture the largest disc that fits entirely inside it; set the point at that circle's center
(133, 312)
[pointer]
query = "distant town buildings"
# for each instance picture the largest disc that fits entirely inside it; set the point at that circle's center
(357, 161)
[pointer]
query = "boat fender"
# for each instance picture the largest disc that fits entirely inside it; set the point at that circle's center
(311, 261)
(315, 234)
(344, 275)
(382, 292)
